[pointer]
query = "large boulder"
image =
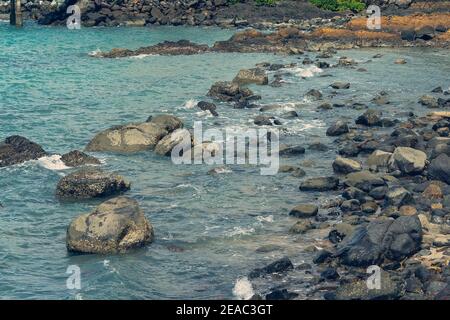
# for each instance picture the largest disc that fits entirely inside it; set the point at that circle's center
(77, 158)
(166, 144)
(167, 121)
(439, 168)
(380, 239)
(279, 266)
(90, 183)
(320, 184)
(115, 226)
(408, 160)
(344, 165)
(17, 149)
(398, 196)
(254, 75)
(128, 138)
(378, 159)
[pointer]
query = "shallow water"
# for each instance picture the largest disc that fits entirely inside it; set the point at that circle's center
(207, 227)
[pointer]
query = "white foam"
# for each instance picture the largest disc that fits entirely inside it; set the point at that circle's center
(95, 53)
(239, 231)
(142, 56)
(265, 219)
(243, 289)
(308, 72)
(191, 103)
(52, 162)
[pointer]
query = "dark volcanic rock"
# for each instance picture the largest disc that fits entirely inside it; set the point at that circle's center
(17, 149)
(380, 239)
(90, 183)
(77, 158)
(282, 294)
(440, 168)
(208, 106)
(279, 266)
(229, 91)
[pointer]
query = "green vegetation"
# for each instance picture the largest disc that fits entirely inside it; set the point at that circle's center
(339, 5)
(266, 2)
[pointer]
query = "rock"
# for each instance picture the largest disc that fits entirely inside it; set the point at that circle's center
(262, 120)
(318, 146)
(128, 138)
(378, 159)
(408, 160)
(295, 171)
(340, 231)
(408, 35)
(433, 191)
(400, 61)
(359, 290)
(321, 256)
(229, 91)
(325, 106)
(363, 180)
(115, 226)
(407, 211)
(429, 101)
(167, 121)
(279, 266)
(329, 274)
(282, 294)
(17, 149)
(369, 207)
(290, 150)
(304, 211)
(340, 85)
(439, 168)
(314, 94)
(337, 129)
(320, 184)
(369, 118)
(77, 158)
(255, 75)
(301, 227)
(378, 193)
(90, 183)
(380, 239)
(398, 196)
(290, 115)
(208, 106)
(166, 144)
(425, 33)
(344, 165)
(350, 205)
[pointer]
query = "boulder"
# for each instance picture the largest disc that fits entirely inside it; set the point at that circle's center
(167, 121)
(363, 180)
(229, 91)
(344, 165)
(279, 266)
(340, 85)
(166, 144)
(90, 183)
(398, 196)
(408, 160)
(320, 184)
(337, 129)
(314, 94)
(17, 149)
(77, 158)
(429, 101)
(285, 150)
(262, 120)
(378, 159)
(370, 118)
(254, 75)
(382, 238)
(293, 170)
(304, 211)
(128, 138)
(439, 168)
(208, 106)
(114, 226)
(301, 227)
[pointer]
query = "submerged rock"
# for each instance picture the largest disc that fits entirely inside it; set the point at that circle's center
(115, 226)
(337, 129)
(340, 85)
(17, 149)
(77, 158)
(370, 118)
(90, 183)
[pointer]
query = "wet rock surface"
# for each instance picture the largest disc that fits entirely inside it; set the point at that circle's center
(17, 149)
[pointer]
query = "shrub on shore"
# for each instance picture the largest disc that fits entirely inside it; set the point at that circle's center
(339, 5)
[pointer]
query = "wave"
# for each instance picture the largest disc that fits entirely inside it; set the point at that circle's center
(52, 162)
(240, 231)
(308, 72)
(191, 103)
(243, 289)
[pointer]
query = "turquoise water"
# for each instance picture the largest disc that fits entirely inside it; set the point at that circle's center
(207, 227)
